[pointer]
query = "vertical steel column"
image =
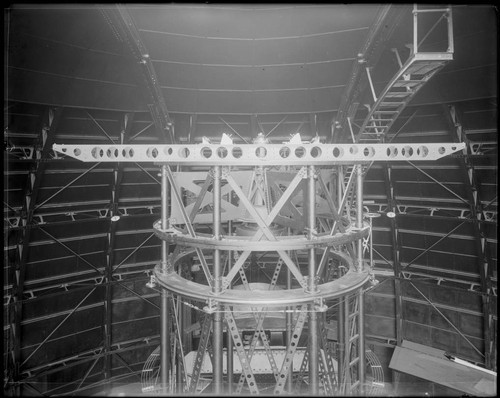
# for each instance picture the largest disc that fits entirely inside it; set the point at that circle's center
(289, 326)
(361, 322)
(229, 363)
(164, 312)
(359, 212)
(341, 308)
(49, 123)
(313, 319)
(361, 327)
(476, 210)
(217, 286)
(347, 353)
(180, 324)
(229, 339)
(340, 344)
(415, 29)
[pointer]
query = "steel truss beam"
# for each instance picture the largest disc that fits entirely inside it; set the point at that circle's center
(447, 320)
(439, 182)
(58, 326)
(310, 295)
(117, 176)
(408, 80)
(409, 264)
(386, 21)
(47, 128)
(482, 245)
(96, 353)
(187, 221)
(396, 251)
(101, 273)
(165, 324)
(259, 154)
(124, 28)
(437, 213)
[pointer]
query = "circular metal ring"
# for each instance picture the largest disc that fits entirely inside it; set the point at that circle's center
(296, 242)
(346, 284)
(350, 282)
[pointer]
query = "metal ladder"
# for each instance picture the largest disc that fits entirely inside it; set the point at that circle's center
(353, 342)
(412, 76)
(405, 84)
(350, 367)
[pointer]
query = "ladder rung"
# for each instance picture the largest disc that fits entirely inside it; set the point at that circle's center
(386, 112)
(424, 67)
(391, 103)
(398, 94)
(407, 83)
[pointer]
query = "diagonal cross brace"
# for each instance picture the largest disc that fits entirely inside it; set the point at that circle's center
(264, 224)
(189, 226)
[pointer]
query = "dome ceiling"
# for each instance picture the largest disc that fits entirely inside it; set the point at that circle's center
(72, 78)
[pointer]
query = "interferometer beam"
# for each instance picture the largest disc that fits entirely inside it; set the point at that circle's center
(259, 154)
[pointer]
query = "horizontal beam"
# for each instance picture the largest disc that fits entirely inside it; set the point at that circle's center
(259, 154)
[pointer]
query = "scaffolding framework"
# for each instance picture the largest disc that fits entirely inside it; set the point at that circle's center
(303, 223)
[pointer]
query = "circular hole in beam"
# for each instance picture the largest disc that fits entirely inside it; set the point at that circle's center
(392, 151)
(300, 152)
(221, 152)
(422, 151)
(261, 152)
(316, 152)
(184, 152)
(284, 152)
(369, 151)
(112, 153)
(97, 153)
(206, 152)
(407, 151)
(152, 152)
(338, 152)
(127, 152)
(237, 152)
